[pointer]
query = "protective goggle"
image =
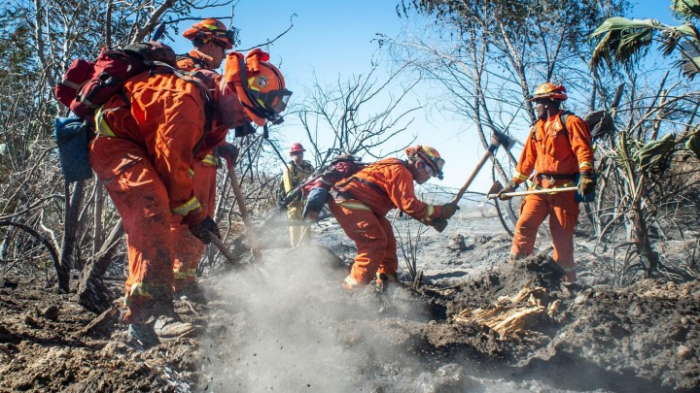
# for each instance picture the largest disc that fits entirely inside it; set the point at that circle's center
(228, 34)
(275, 101)
(435, 164)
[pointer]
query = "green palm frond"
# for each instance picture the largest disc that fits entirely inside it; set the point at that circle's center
(623, 39)
(687, 8)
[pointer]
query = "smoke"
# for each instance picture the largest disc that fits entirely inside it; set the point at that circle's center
(291, 327)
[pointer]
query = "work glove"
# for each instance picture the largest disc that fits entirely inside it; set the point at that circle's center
(205, 229)
(228, 152)
(586, 185)
(449, 210)
(439, 224)
(510, 187)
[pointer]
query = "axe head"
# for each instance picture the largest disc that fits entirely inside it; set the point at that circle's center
(500, 139)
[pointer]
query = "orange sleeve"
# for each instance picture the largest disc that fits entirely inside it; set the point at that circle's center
(399, 187)
(580, 140)
(526, 163)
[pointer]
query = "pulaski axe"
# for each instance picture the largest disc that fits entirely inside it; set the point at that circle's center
(497, 139)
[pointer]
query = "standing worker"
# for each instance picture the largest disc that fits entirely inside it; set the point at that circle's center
(559, 151)
(211, 39)
(295, 172)
(363, 200)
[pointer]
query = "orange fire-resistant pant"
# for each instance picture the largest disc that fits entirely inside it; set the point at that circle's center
(189, 249)
(374, 237)
(142, 202)
(563, 210)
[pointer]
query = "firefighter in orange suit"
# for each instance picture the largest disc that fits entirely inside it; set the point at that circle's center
(362, 201)
(211, 39)
(148, 139)
(562, 156)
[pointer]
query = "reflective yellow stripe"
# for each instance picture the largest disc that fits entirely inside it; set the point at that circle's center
(568, 269)
(190, 173)
(351, 281)
(101, 125)
(353, 205)
(585, 165)
(210, 160)
(431, 210)
(72, 85)
(519, 177)
(187, 207)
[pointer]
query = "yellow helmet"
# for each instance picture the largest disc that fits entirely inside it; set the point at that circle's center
(429, 155)
(551, 91)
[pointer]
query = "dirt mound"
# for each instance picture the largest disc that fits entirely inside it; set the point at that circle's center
(643, 337)
(49, 343)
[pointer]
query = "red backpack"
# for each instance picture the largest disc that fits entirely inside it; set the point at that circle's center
(87, 85)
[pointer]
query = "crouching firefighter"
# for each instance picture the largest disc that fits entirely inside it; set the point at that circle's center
(559, 150)
(148, 138)
(362, 201)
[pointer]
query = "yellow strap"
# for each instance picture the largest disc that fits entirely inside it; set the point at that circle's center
(210, 160)
(353, 205)
(187, 207)
(103, 128)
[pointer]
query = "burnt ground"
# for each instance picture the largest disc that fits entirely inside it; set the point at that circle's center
(308, 335)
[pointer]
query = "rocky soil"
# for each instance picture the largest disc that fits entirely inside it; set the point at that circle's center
(286, 325)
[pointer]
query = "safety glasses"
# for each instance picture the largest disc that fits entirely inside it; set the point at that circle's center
(228, 34)
(434, 163)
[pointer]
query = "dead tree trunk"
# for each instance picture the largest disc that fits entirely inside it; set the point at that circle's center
(72, 211)
(93, 294)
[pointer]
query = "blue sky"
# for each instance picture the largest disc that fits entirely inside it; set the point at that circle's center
(333, 39)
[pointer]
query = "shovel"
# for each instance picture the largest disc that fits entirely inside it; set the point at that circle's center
(497, 187)
(250, 232)
(497, 139)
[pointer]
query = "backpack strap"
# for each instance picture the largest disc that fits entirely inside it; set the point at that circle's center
(563, 118)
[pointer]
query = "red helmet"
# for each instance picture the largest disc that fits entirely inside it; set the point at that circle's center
(551, 91)
(211, 29)
(429, 155)
(296, 148)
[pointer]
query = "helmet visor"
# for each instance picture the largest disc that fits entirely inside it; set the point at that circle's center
(275, 101)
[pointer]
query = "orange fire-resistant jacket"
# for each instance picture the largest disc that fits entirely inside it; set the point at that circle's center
(549, 150)
(165, 117)
(385, 185)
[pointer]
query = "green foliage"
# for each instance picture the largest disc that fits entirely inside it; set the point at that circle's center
(628, 40)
